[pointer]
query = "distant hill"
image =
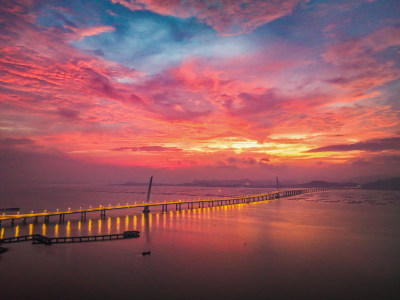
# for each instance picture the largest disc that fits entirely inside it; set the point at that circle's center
(389, 184)
(320, 183)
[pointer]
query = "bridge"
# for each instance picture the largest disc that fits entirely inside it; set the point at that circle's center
(60, 215)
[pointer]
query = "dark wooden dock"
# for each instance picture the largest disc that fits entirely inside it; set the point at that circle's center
(41, 239)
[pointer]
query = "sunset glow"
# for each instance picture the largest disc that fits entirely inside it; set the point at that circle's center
(123, 89)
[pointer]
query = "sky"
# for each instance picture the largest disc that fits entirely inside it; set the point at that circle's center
(118, 90)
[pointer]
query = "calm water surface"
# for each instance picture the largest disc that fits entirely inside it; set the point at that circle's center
(328, 245)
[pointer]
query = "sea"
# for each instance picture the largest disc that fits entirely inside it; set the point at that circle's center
(341, 244)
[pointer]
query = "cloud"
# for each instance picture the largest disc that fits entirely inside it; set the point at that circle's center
(79, 33)
(374, 145)
(226, 16)
(68, 113)
(16, 141)
(358, 64)
(147, 149)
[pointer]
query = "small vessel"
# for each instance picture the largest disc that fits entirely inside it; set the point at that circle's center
(131, 234)
(146, 253)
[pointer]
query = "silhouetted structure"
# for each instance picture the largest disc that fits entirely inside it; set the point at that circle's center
(146, 209)
(164, 205)
(41, 239)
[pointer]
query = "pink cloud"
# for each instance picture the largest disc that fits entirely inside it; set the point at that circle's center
(79, 33)
(226, 16)
(357, 66)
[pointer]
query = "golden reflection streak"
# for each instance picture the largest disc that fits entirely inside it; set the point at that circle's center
(30, 229)
(56, 230)
(157, 220)
(90, 225)
(108, 225)
(134, 222)
(164, 220)
(68, 229)
(16, 231)
(79, 226)
(118, 223)
(44, 229)
(126, 223)
(142, 221)
(2, 233)
(150, 220)
(99, 226)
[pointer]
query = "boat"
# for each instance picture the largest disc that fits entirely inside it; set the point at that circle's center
(131, 234)
(146, 253)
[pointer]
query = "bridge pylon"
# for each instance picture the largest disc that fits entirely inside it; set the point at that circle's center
(146, 209)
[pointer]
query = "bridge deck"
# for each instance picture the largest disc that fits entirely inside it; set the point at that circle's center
(103, 209)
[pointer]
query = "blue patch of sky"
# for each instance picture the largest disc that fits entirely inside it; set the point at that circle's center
(76, 13)
(305, 26)
(150, 42)
(141, 40)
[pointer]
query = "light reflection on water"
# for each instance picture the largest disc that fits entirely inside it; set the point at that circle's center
(326, 243)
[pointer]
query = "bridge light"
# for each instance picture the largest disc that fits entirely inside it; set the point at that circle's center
(57, 209)
(69, 208)
(31, 212)
(80, 207)
(90, 206)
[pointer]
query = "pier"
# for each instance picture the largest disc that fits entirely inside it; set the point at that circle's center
(190, 204)
(41, 239)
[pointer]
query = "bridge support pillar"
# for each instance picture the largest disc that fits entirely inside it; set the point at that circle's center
(12, 222)
(24, 221)
(83, 216)
(146, 210)
(103, 214)
(46, 219)
(35, 219)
